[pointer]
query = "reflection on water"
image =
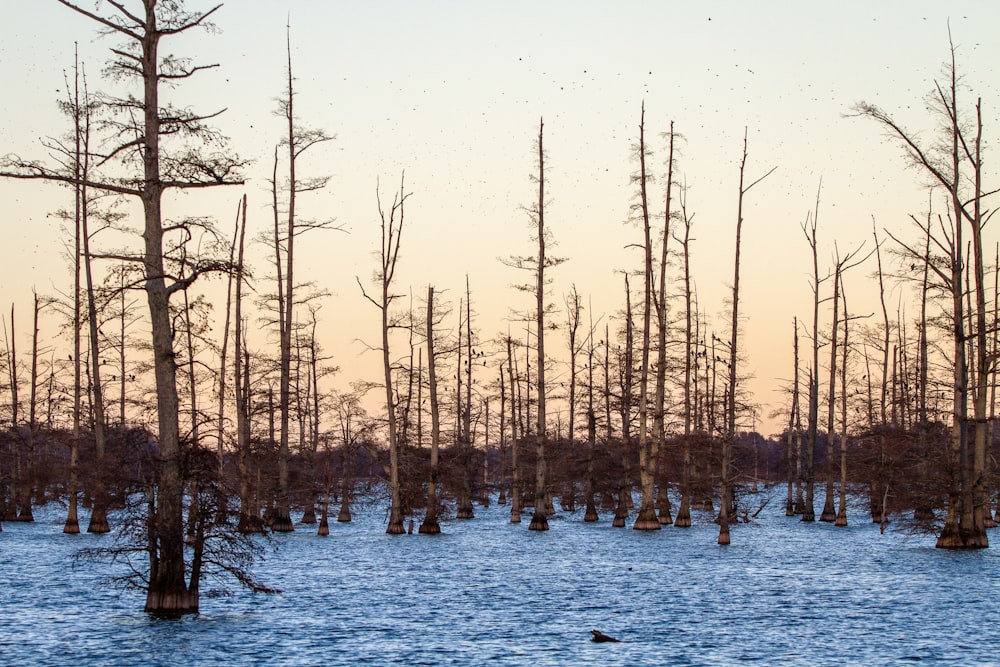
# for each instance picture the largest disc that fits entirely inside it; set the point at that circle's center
(486, 592)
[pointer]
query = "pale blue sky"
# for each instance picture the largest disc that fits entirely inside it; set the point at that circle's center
(452, 93)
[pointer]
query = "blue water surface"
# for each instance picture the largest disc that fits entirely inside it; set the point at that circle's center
(487, 592)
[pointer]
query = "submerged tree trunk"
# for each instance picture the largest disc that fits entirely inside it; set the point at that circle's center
(392, 231)
(730, 438)
(683, 518)
(515, 466)
(842, 509)
(430, 525)
(646, 519)
(539, 521)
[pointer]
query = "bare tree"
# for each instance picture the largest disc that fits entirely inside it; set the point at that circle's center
(646, 519)
(138, 148)
(430, 524)
(730, 435)
(296, 142)
(812, 425)
(968, 505)
(392, 235)
(683, 518)
(538, 265)
(841, 265)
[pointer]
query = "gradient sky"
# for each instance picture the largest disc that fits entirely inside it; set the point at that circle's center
(452, 92)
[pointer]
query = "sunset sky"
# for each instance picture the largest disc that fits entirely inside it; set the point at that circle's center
(452, 93)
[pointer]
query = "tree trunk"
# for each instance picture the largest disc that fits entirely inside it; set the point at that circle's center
(646, 519)
(539, 521)
(515, 466)
(430, 525)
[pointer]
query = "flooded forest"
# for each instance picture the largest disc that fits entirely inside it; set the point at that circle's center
(178, 397)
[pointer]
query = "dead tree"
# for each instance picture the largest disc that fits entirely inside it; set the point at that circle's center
(646, 519)
(141, 124)
(538, 265)
(296, 142)
(430, 525)
(730, 436)
(968, 505)
(392, 235)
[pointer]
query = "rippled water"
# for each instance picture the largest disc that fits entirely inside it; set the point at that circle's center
(490, 593)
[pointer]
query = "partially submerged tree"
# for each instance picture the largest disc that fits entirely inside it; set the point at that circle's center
(152, 166)
(430, 525)
(538, 265)
(392, 234)
(296, 142)
(646, 520)
(729, 438)
(957, 167)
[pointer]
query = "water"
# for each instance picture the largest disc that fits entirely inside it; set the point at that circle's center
(490, 593)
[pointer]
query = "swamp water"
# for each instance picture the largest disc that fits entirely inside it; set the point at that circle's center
(486, 592)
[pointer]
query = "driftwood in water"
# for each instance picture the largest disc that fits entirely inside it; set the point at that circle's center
(601, 637)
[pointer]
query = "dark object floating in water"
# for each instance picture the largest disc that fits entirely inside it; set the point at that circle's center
(601, 637)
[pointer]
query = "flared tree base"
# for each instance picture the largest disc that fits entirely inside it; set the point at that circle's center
(171, 604)
(663, 509)
(395, 528)
(591, 514)
(309, 517)
(465, 512)
(344, 516)
(429, 527)
(841, 520)
(724, 536)
(324, 527)
(515, 517)
(98, 522)
(71, 527)
(975, 540)
(281, 522)
(539, 521)
(950, 538)
(829, 514)
(683, 518)
(646, 520)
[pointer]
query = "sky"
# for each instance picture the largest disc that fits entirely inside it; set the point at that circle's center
(451, 93)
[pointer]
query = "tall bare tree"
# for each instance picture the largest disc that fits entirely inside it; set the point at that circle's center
(646, 519)
(949, 167)
(296, 142)
(537, 265)
(150, 169)
(730, 436)
(392, 236)
(430, 525)
(659, 396)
